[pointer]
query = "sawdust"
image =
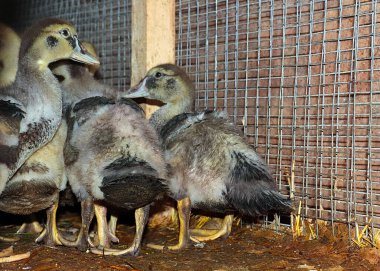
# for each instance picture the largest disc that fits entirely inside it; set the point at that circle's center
(248, 248)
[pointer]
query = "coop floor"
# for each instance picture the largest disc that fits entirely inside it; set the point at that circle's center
(245, 249)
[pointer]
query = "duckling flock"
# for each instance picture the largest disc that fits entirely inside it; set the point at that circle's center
(60, 127)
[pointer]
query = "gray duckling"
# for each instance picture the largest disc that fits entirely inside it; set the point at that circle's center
(116, 160)
(112, 156)
(78, 82)
(211, 166)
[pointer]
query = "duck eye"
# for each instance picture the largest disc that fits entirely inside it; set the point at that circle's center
(65, 33)
(158, 75)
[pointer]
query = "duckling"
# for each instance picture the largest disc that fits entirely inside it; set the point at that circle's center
(62, 72)
(36, 185)
(79, 84)
(77, 81)
(211, 166)
(9, 47)
(31, 107)
(117, 162)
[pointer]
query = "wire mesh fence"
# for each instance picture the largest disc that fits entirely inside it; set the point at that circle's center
(104, 23)
(302, 80)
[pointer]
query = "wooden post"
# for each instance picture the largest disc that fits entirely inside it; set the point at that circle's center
(153, 38)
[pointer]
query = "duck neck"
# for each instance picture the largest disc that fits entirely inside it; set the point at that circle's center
(83, 85)
(170, 110)
(34, 63)
(45, 86)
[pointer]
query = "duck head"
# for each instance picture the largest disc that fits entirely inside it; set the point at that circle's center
(66, 70)
(51, 40)
(167, 83)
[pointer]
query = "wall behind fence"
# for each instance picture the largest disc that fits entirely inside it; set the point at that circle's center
(302, 79)
(105, 23)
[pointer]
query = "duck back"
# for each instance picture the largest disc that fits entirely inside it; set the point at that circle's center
(117, 157)
(221, 171)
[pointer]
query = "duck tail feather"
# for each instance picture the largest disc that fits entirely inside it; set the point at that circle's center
(252, 190)
(131, 183)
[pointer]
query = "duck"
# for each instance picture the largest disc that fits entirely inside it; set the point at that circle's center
(9, 46)
(61, 70)
(36, 185)
(211, 167)
(31, 107)
(118, 163)
(78, 82)
(112, 155)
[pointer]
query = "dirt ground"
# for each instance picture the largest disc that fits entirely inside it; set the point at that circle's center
(247, 248)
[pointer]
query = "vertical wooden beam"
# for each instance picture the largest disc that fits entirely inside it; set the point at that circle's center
(153, 38)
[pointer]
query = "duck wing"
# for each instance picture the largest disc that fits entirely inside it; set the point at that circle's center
(84, 109)
(180, 123)
(251, 188)
(11, 115)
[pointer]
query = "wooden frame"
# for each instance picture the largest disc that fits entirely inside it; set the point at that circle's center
(153, 38)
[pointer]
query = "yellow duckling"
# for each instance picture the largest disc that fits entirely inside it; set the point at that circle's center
(31, 107)
(37, 183)
(9, 47)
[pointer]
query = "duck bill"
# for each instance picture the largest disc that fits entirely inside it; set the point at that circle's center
(138, 91)
(80, 54)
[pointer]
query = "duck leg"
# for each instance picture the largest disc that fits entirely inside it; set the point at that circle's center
(6, 255)
(200, 235)
(32, 226)
(87, 213)
(9, 239)
(141, 218)
(104, 236)
(184, 208)
(112, 227)
(50, 235)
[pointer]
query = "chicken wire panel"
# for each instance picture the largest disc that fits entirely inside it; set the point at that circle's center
(302, 80)
(104, 23)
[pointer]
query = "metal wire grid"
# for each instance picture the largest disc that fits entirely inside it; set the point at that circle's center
(105, 23)
(302, 79)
